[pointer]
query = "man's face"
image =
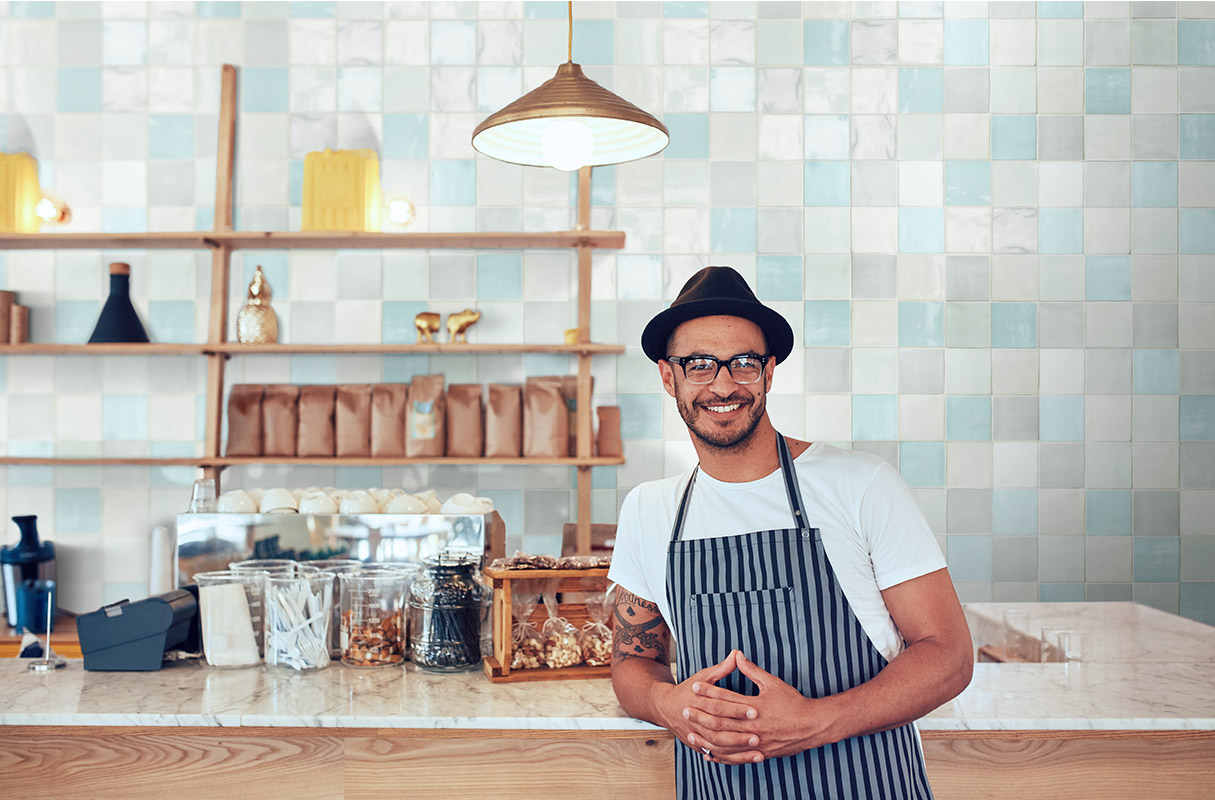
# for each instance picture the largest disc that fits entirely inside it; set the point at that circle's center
(721, 413)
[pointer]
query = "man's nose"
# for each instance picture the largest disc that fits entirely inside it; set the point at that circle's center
(723, 383)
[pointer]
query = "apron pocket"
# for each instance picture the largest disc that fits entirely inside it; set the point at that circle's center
(764, 624)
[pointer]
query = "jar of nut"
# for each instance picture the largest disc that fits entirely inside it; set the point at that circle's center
(372, 621)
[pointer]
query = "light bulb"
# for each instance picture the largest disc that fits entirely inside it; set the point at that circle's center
(400, 212)
(568, 144)
(46, 210)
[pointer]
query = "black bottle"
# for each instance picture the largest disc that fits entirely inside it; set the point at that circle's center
(118, 321)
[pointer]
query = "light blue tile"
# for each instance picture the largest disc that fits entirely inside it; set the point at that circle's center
(1014, 137)
(689, 135)
(1107, 278)
(1197, 136)
(603, 478)
(921, 90)
(875, 417)
(77, 510)
(406, 135)
(313, 9)
(315, 368)
(263, 89)
(826, 42)
(124, 417)
(35, 9)
(967, 183)
(543, 9)
(640, 416)
(1014, 324)
(124, 219)
(1155, 372)
(826, 183)
(603, 187)
(224, 9)
(1061, 9)
(31, 477)
(732, 230)
(204, 218)
(683, 9)
(1061, 592)
(776, 277)
(1197, 601)
(1197, 231)
(358, 477)
(922, 463)
(295, 182)
(966, 42)
(1196, 42)
(921, 230)
(1014, 511)
(508, 503)
(968, 418)
(1107, 90)
(171, 321)
(453, 183)
(78, 89)
(171, 136)
(274, 268)
(402, 368)
(1197, 418)
(1154, 183)
(828, 323)
(396, 317)
(639, 277)
(454, 41)
(172, 476)
(1061, 419)
(594, 41)
(1060, 230)
(968, 557)
(75, 320)
(499, 276)
(1107, 513)
(921, 324)
(1157, 558)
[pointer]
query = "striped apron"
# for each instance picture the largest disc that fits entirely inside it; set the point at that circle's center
(774, 596)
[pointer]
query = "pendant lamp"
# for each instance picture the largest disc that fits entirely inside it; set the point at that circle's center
(569, 122)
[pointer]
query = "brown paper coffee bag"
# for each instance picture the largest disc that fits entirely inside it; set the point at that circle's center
(317, 409)
(426, 418)
(569, 393)
(352, 423)
(465, 429)
(609, 431)
(280, 420)
(545, 419)
(504, 421)
(388, 402)
(245, 420)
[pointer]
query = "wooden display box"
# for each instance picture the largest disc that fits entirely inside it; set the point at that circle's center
(586, 581)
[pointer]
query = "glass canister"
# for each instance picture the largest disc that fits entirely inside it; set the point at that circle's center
(299, 610)
(372, 617)
(282, 567)
(227, 601)
(337, 566)
(449, 607)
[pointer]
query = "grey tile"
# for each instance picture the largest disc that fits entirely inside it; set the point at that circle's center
(1108, 558)
(874, 42)
(452, 275)
(1163, 596)
(1061, 325)
(1153, 9)
(887, 451)
(312, 322)
(639, 9)
(79, 43)
(1107, 465)
(263, 219)
(780, 230)
(1014, 230)
(1154, 136)
(1107, 43)
(266, 42)
(1198, 465)
(1014, 558)
(873, 183)
(1014, 591)
(874, 276)
(967, 90)
(1061, 465)
(1061, 558)
(1014, 9)
(828, 370)
(1155, 513)
(1014, 418)
(171, 183)
(920, 371)
(780, 91)
(1198, 371)
(1107, 183)
(967, 278)
(777, 9)
(874, 136)
(732, 183)
(1060, 512)
(1108, 371)
(1060, 138)
(499, 219)
(1107, 592)
(968, 511)
(1155, 324)
(311, 132)
(361, 272)
(1197, 89)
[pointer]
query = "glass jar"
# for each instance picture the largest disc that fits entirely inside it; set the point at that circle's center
(229, 606)
(372, 618)
(449, 610)
(337, 566)
(298, 613)
(260, 568)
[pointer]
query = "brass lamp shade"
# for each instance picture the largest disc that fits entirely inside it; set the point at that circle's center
(622, 131)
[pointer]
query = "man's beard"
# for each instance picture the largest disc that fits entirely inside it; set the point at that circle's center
(712, 434)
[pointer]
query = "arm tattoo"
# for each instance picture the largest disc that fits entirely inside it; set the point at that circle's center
(640, 631)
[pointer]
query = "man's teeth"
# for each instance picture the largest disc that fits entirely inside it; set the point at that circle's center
(724, 409)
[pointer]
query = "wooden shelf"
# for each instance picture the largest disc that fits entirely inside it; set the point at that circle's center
(238, 349)
(73, 461)
(345, 461)
(109, 349)
(317, 240)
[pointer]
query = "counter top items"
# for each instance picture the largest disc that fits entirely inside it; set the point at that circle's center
(341, 191)
(449, 614)
(504, 421)
(458, 324)
(7, 299)
(545, 419)
(388, 404)
(299, 609)
(372, 617)
(426, 417)
(119, 321)
(314, 499)
(229, 602)
(257, 323)
(245, 420)
(280, 420)
(19, 325)
(352, 421)
(134, 636)
(21, 565)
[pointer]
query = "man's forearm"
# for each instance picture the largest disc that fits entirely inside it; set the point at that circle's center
(638, 682)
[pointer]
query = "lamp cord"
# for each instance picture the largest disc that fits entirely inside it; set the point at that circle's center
(570, 56)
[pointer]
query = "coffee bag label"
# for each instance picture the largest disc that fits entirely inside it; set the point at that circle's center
(423, 422)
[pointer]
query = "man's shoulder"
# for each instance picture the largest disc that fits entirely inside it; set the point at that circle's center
(838, 463)
(657, 490)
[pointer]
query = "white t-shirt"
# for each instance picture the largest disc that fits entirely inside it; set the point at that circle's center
(874, 534)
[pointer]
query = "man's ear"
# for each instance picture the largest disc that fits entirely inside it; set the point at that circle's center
(770, 373)
(667, 373)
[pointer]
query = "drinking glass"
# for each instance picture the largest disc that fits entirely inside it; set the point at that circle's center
(202, 497)
(1016, 625)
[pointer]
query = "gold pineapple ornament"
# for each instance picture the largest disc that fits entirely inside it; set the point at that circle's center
(257, 323)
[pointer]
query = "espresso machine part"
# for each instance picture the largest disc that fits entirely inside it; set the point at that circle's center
(28, 560)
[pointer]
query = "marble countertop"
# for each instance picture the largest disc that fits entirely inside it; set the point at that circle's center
(1149, 671)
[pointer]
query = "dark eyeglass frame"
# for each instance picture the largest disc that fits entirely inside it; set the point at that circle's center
(682, 361)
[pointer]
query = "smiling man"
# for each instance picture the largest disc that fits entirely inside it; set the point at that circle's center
(812, 613)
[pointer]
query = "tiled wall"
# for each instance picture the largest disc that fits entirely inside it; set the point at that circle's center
(992, 226)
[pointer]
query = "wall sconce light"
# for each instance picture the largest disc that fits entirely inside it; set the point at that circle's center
(52, 211)
(400, 212)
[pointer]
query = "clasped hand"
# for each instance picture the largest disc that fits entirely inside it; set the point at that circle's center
(736, 728)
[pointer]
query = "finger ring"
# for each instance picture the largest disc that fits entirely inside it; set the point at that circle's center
(705, 750)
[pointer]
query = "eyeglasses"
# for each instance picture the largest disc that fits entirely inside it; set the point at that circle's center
(745, 368)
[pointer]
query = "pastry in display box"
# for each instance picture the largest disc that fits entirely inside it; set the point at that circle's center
(551, 618)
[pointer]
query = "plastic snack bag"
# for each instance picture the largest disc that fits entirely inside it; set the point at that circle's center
(527, 644)
(595, 638)
(561, 648)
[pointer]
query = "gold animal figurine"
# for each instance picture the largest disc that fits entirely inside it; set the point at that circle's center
(257, 323)
(458, 324)
(427, 324)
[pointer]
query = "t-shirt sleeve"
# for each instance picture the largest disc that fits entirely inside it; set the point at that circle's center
(627, 564)
(901, 543)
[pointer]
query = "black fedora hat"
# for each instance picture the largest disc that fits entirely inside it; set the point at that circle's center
(717, 291)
